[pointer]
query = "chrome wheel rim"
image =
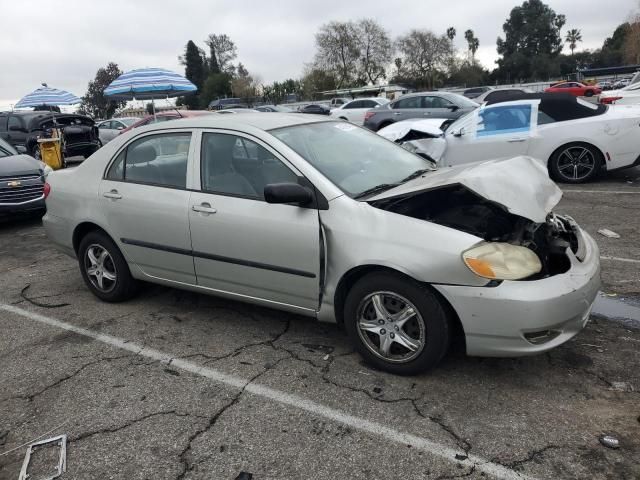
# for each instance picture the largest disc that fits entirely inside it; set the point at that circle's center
(576, 163)
(391, 327)
(100, 268)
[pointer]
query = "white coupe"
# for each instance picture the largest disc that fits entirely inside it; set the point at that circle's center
(354, 110)
(575, 139)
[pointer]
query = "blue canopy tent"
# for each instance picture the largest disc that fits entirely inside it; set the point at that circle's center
(149, 84)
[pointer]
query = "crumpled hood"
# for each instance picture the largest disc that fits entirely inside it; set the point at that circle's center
(399, 130)
(20, 165)
(520, 184)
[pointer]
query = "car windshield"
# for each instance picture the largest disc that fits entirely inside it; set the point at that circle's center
(356, 160)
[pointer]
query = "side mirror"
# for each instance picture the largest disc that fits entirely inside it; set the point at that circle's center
(458, 133)
(21, 149)
(287, 193)
(453, 108)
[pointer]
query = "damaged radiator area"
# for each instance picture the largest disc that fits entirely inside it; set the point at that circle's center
(457, 207)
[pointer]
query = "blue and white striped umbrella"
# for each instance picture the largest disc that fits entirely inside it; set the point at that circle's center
(49, 97)
(149, 83)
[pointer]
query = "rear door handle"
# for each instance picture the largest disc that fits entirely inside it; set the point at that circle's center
(397, 113)
(516, 140)
(203, 208)
(113, 194)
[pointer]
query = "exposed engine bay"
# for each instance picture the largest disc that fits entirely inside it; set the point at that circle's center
(457, 207)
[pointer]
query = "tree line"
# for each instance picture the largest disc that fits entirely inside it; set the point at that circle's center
(357, 53)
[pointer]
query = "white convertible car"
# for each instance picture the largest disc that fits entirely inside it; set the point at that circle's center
(574, 138)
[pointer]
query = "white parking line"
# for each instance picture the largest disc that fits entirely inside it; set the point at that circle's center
(288, 399)
(615, 192)
(619, 259)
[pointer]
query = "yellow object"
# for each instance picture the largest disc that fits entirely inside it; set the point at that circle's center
(51, 152)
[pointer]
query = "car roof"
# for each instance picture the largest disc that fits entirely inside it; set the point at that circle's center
(256, 120)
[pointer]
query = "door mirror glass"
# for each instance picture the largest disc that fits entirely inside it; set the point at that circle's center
(458, 132)
(453, 108)
(287, 193)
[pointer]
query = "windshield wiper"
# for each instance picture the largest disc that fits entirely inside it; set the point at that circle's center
(416, 174)
(377, 189)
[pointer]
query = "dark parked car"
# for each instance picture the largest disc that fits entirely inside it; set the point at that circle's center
(316, 109)
(443, 105)
(475, 91)
(273, 108)
(21, 183)
(22, 129)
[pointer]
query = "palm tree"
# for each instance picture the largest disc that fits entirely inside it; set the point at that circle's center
(573, 37)
(451, 33)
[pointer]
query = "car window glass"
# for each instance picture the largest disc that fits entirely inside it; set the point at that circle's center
(235, 165)
(354, 104)
(105, 125)
(438, 102)
(544, 118)
(14, 122)
(504, 119)
(156, 160)
(163, 118)
(368, 104)
(411, 102)
(3, 124)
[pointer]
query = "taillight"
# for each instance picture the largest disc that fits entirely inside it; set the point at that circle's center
(609, 100)
(46, 190)
(368, 115)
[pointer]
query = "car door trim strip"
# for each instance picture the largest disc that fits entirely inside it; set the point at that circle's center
(218, 258)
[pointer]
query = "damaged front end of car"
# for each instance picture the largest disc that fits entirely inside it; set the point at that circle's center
(457, 207)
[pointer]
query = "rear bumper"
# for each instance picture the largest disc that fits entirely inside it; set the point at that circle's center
(59, 233)
(496, 319)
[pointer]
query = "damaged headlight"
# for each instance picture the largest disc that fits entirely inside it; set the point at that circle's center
(501, 261)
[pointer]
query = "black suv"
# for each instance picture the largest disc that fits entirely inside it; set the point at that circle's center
(22, 129)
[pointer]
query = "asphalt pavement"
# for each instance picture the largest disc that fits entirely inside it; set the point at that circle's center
(176, 385)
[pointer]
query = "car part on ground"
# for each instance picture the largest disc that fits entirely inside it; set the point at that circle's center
(419, 105)
(328, 220)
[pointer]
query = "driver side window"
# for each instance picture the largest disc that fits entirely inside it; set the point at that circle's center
(234, 165)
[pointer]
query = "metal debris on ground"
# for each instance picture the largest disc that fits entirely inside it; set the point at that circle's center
(608, 233)
(609, 441)
(58, 470)
(621, 386)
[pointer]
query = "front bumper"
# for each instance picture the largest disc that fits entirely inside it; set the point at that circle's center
(31, 207)
(496, 319)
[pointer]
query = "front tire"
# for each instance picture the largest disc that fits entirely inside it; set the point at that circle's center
(396, 324)
(104, 269)
(575, 163)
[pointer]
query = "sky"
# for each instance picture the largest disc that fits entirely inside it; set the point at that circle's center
(63, 43)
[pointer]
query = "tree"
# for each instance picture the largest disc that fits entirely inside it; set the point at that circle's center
(612, 52)
(472, 44)
(425, 56)
(451, 33)
(215, 86)
(573, 37)
(316, 80)
(243, 85)
(532, 41)
(376, 51)
(194, 62)
(632, 41)
(222, 51)
(338, 51)
(94, 102)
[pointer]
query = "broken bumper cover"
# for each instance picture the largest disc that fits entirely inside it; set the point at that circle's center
(528, 317)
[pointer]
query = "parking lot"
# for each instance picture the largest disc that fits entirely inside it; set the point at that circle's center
(176, 385)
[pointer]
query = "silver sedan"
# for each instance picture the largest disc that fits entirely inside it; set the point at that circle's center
(326, 219)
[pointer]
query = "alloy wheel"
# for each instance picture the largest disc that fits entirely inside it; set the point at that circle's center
(391, 327)
(100, 268)
(576, 163)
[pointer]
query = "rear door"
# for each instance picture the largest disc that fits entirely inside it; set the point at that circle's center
(144, 195)
(410, 107)
(241, 243)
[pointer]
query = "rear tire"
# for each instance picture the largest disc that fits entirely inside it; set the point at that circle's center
(396, 324)
(104, 269)
(588, 93)
(575, 163)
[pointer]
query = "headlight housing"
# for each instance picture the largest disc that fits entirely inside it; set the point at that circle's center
(501, 261)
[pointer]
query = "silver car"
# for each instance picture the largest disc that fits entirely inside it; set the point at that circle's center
(327, 219)
(110, 129)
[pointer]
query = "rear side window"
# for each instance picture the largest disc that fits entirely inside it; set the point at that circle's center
(411, 102)
(155, 160)
(3, 124)
(14, 122)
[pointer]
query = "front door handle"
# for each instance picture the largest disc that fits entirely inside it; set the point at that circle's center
(113, 194)
(516, 140)
(203, 208)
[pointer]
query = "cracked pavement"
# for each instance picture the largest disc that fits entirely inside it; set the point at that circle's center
(128, 416)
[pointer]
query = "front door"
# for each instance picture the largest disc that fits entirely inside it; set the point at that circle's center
(242, 244)
(492, 132)
(146, 205)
